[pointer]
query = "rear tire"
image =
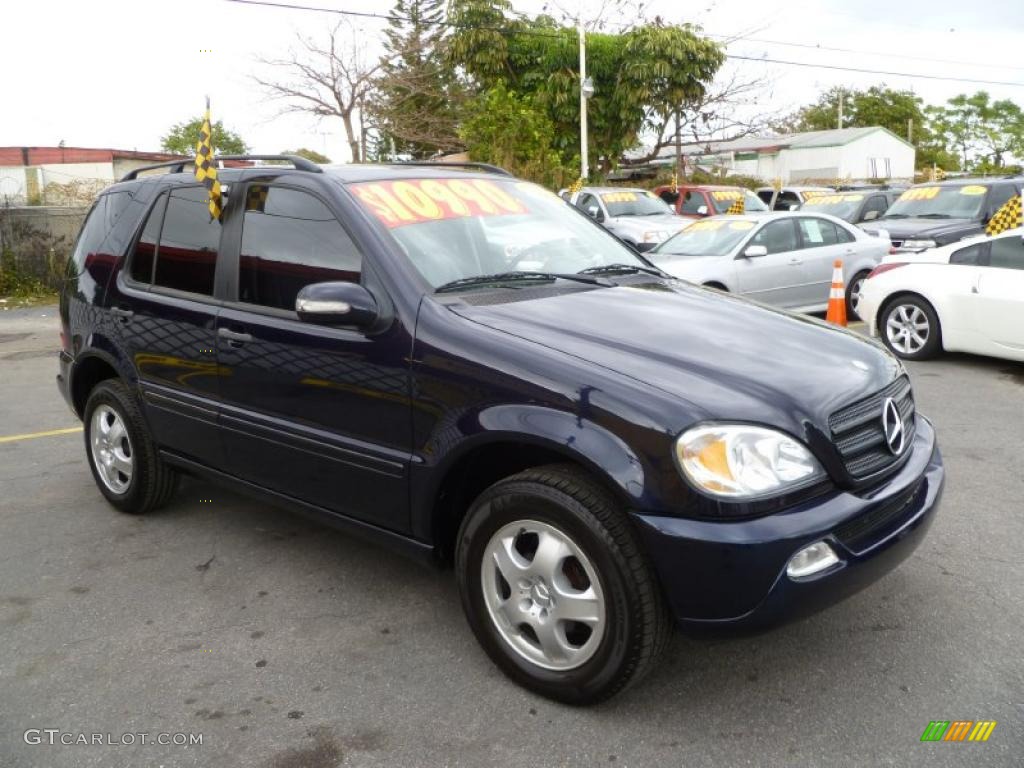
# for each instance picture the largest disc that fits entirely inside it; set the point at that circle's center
(853, 293)
(121, 452)
(910, 328)
(556, 587)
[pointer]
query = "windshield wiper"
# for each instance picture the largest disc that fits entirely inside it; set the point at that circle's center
(509, 277)
(934, 216)
(609, 269)
(894, 216)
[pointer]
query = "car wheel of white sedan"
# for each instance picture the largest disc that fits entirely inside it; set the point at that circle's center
(853, 294)
(910, 328)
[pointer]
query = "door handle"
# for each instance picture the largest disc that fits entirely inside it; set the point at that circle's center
(795, 262)
(124, 315)
(234, 338)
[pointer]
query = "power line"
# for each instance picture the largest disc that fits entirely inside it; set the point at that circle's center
(539, 33)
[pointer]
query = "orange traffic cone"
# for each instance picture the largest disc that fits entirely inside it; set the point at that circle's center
(837, 296)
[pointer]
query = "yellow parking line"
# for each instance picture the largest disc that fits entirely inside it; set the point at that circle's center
(33, 435)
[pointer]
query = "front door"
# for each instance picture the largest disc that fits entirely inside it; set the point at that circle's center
(162, 302)
(314, 412)
(771, 278)
(999, 302)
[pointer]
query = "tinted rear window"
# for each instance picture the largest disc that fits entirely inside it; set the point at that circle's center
(189, 240)
(98, 224)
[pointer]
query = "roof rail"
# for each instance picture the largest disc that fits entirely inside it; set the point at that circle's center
(468, 165)
(300, 163)
(179, 165)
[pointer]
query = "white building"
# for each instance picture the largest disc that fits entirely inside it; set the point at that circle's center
(846, 154)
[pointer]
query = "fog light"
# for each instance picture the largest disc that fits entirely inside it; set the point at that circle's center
(810, 560)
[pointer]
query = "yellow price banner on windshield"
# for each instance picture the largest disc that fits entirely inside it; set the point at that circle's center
(920, 193)
(619, 197)
(742, 225)
(413, 201)
(707, 224)
(727, 194)
(973, 189)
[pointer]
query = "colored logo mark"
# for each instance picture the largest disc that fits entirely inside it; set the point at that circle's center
(958, 730)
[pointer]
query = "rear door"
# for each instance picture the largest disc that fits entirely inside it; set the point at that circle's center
(820, 246)
(774, 278)
(319, 413)
(163, 302)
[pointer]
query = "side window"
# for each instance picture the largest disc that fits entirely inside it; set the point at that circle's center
(189, 240)
(765, 195)
(785, 200)
(843, 235)
(144, 255)
(693, 201)
(100, 220)
(875, 203)
(586, 200)
(999, 195)
(1007, 252)
(816, 233)
(777, 236)
(290, 239)
(970, 255)
(669, 197)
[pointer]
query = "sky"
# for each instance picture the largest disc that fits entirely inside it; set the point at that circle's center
(115, 73)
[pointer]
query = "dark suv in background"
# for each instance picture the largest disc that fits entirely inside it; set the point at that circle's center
(939, 213)
(456, 363)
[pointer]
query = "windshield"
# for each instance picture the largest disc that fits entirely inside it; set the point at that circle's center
(454, 228)
(723, 198)
(844, 206)
(710, 237)
(634, 202)
(939, 202)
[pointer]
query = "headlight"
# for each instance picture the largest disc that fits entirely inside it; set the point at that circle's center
(738, 461)
(654, 237)
(921, 244)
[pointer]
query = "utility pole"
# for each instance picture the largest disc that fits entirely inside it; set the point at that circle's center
(841, 98)
(910, 130)
(584, 170)
(679, 147)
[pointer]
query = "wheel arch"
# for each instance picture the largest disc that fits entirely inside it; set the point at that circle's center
(89, 369)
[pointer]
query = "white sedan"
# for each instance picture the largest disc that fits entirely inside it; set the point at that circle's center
(964, 297)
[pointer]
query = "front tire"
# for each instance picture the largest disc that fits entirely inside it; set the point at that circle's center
(910, 328)
(556, 587)
(121, 452)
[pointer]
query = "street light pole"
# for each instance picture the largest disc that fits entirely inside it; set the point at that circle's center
(584, 170)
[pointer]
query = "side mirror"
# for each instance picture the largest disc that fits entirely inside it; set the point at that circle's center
(871, 215)
(755, 251)
(702, 210)
(337, 303)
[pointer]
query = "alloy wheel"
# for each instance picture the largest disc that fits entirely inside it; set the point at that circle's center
(907, 328)
(111, 449)
(543, 595)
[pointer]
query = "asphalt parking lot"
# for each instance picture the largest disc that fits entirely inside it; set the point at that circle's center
(287, 645)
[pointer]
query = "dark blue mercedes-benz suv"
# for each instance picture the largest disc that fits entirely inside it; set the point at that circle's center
(456, 363)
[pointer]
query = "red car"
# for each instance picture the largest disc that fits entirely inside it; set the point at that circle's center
(699, 200)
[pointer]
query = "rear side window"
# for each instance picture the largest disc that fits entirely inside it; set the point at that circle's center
(98, 224)
(189, 240)
(694, 200)
(999, 195)
(144, 255)
(817, 233)
(970, 255)
(1007, 252)
(290, 239)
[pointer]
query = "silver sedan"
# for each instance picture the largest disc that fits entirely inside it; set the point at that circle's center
(783, 259)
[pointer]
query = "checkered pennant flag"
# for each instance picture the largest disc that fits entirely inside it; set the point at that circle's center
(1007, 217)
(576, 186)
(736, 209)
(256, 197)
(206, 167)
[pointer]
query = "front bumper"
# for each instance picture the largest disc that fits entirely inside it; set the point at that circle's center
(734, 573)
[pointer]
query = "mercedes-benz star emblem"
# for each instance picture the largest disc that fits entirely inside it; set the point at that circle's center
(892, 426)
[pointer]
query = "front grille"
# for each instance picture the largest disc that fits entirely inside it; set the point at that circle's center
(859, 531)
(857, 430)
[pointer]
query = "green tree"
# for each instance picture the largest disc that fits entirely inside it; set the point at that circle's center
(182, 138)
(640, 75)
(418, 99)
(983, 132)
(310, 154)
(509, 130)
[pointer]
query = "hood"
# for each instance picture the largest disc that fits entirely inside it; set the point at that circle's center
(725, 356)
(641, 224)
(918, 229)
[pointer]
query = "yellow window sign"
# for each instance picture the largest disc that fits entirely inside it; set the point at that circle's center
(727, 194)
(741, 225)
(920, 193)
(700, 226)
(834, 199)
(973, 189)
(619, 197)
